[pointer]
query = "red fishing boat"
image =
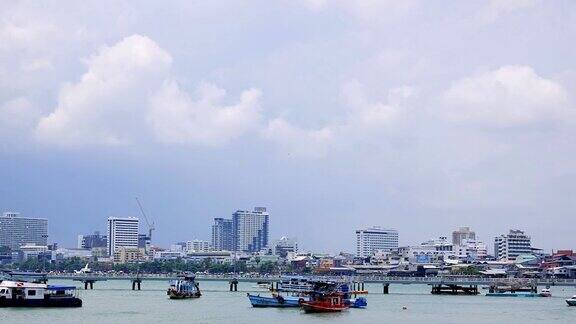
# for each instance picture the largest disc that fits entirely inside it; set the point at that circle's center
(325, 303)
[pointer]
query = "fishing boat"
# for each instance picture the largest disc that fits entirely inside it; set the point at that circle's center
(29, 294)
(545, 293)
(276, 300)
(325, 303)
(183, 288)
(571, 301)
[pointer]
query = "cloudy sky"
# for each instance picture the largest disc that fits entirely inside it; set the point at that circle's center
(416, 115)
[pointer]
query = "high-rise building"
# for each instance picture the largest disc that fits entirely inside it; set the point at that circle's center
(222, 235)
(250, 229)
(509, 246)
(122, 232)
(92, 241)
(16, 231)
(374, 239)
(463, 233)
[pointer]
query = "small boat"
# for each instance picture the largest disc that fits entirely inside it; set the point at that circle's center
(183, 288)
(29, 294)
(262, 285)
(545, 293)
(571, 301)
(325, 303)
(359, 302)
(276, 300)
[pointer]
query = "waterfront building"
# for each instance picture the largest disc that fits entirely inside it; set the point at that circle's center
(431, 251)
(122, 232)
(222, 235)
(250, 229)
(461, 234)
(509, 246)
(168, 255)
(471, 250)
(33, 251)
(90, 241)
(16, 231)
(375, 238)
(198, 246)
(128, 254)
(285, 245)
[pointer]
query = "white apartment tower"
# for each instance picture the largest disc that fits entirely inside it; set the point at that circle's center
(250, 229)
(374, 239)
(509, 246)
(122, 232)
(16, 231)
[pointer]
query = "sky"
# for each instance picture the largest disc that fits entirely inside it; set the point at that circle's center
(421, 116)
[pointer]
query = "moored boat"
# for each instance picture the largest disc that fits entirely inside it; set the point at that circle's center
(545, 293)
(183, 288)
(571, 301)
(276, 300)
(28, 294)
(325, 303)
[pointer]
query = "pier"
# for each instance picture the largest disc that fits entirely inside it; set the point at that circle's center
(466, 283)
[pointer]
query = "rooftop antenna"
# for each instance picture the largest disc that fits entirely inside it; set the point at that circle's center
(151, 226)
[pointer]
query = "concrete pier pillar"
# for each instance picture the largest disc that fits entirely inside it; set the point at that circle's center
(91, 284)
(85, 285)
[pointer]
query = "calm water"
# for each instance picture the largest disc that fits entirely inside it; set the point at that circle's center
(114, 302)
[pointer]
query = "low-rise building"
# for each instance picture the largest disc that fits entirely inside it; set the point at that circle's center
(198, 246)
(126, 254)
(284, 246)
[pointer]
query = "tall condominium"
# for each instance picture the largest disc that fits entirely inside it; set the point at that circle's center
(250, 229)
(509, 246)
(222, 235)
(122, 232)
(16, 231)
(462, 234)
(374, 239)
(90, 241)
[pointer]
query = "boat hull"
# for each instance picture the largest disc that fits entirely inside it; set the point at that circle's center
(47, 302)
(176, 295)
(280, 302)
(571, 302)
(318, 308)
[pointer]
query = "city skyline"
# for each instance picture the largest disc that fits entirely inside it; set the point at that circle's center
(416, 115)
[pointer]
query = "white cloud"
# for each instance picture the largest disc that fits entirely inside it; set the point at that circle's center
(509, 96)
(297, 141)
(128, 95)
(365, 118)
(178, 119)
(108, 103)
(17, 117)
(497, 8)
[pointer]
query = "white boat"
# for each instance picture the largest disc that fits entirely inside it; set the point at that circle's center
(545, 293)
(28, 294)
(183, 288)
(571, 301)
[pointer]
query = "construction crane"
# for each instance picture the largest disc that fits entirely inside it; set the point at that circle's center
(151, 226)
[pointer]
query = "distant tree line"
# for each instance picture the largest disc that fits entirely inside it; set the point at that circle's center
(155, 267)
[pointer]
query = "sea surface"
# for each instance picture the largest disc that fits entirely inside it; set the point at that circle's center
(114, 302)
